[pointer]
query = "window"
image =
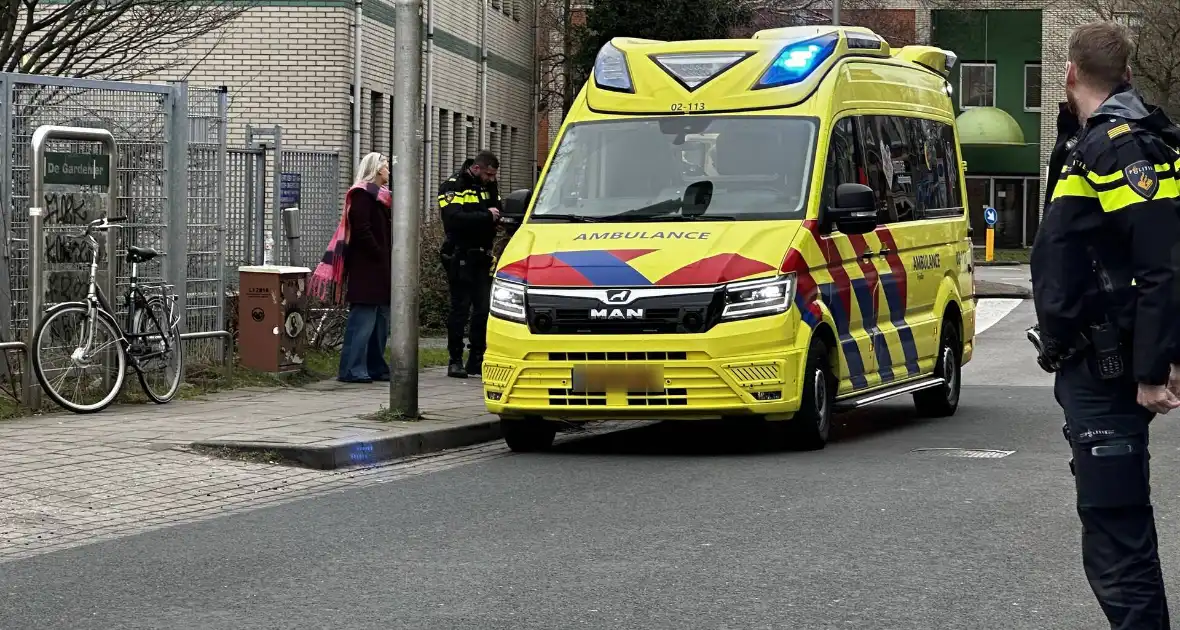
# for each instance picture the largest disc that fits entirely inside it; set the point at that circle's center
(977, 85)
(841, 163)
(1133, 20)
(375, 107)
(912, 166)
(758, 167)
(1032, 87)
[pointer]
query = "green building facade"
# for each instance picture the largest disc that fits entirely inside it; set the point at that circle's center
(999, 66)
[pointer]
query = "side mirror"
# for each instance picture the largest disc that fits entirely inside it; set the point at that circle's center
(515, 204)
(855, 209)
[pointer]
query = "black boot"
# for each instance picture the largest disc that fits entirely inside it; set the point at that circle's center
(475, 364)
(455, 369)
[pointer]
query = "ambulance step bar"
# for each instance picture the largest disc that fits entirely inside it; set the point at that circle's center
(886, 394)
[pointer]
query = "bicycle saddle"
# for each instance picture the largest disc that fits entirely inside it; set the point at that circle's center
(140, 254)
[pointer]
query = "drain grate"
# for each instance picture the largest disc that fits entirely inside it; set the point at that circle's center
(969, 453)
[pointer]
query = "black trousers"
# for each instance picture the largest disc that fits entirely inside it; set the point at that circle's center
(1108, 434)
(471, 294)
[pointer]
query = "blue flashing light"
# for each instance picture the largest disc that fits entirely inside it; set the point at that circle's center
(611, 71)
(796, 61)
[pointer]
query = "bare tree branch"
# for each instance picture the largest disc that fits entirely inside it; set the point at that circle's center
(116, 39)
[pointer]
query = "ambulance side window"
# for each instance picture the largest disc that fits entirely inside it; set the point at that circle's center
(840, 166)
(878, 166)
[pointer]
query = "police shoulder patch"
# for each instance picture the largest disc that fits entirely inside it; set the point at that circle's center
(450, 195)
(1142, 178)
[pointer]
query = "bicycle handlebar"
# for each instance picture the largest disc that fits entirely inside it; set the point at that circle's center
(98, 225)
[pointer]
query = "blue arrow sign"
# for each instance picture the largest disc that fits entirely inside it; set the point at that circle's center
(990, 216)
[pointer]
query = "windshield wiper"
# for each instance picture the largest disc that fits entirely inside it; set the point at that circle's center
(641, 218)
(569, 218)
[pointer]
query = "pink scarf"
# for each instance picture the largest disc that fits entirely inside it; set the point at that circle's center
(328, 278)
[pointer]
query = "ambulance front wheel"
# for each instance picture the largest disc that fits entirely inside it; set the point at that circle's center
(528, 435)
(812, 424)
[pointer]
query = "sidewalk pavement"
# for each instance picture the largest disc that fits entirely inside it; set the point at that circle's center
(67, 480)
(989, 289)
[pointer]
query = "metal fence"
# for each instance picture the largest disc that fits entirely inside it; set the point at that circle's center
(170, 165)
(320, 203)
(184, 192)
(205, 262)
(309, 180)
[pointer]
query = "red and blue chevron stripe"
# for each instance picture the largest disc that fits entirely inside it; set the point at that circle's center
(593, 268)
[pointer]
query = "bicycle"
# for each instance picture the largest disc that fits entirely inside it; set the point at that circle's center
(143, 340)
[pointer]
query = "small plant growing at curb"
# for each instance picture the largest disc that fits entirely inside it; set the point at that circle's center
(385, 414)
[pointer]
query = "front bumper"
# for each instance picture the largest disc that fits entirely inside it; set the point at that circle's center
(736, 369)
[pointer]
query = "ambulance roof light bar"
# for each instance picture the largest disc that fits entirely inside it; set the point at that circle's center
(797, 60)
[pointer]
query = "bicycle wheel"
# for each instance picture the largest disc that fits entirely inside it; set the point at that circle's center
(159, 354)
(100, 366)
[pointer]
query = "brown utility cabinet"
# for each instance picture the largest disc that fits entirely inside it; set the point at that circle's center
(272, 317)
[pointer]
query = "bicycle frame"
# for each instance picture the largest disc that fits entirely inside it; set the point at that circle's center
(136, 299)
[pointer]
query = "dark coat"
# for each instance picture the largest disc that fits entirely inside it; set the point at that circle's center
(370, 246)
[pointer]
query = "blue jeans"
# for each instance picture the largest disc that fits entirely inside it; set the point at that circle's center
(362, 359)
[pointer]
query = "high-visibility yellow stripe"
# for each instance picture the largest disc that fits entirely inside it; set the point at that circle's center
(1073, 186)
(1124, 196)
(442, 199)
(1118, 175)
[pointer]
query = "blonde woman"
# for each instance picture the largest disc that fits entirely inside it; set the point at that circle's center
(365, 255)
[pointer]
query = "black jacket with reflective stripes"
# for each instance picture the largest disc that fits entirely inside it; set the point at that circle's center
(464, 202)
(1108, 248)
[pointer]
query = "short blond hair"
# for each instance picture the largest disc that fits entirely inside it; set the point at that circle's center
(370, 165)
(1101, 51)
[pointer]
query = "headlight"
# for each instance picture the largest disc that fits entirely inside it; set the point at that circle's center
(759, 297)
(508, 300)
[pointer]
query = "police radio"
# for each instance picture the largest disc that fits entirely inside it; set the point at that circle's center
(1108, 354)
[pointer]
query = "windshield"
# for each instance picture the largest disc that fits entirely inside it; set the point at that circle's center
(754, 167)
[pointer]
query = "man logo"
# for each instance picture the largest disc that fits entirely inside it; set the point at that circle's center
(618, 297)
(616, 313)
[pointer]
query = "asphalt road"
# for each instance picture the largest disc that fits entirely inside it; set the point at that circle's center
(668, 526)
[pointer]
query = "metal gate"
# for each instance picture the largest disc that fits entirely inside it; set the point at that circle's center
(171, 166)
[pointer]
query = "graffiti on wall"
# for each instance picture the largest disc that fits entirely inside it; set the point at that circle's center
(67, 259)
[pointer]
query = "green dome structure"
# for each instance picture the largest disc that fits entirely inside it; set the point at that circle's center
(989, 127)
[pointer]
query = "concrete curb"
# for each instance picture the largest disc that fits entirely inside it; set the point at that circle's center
(998, 263)
(359, 452)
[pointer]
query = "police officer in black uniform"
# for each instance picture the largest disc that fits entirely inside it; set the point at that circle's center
(1105, 271)
(470, 204)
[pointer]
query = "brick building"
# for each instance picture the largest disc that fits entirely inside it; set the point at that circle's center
(290, 63)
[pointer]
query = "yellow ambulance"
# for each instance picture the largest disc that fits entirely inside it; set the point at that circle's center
(770, 228)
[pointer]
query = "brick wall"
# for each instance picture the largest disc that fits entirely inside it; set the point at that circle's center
(292, 66)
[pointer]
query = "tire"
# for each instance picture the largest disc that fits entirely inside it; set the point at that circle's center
(103, 322)
(812, 424)
(943, 401)
(143, 324)
(529, 435)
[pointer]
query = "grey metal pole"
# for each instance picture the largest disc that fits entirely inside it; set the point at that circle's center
(483, 76)
(428, 110)
(41, 137)
(406, 153)
(836, 12)
(225, 349)
(358, 29)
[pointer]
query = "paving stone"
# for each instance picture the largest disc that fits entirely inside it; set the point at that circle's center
(67, 480)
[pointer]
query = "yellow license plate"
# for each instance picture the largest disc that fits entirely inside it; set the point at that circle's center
(621, 377)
